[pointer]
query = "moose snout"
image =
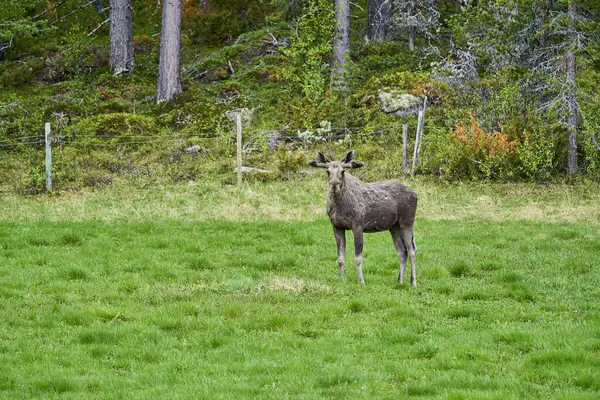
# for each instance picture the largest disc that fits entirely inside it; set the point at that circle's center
(335, 185)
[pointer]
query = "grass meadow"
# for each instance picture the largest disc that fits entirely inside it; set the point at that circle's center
(203, 291)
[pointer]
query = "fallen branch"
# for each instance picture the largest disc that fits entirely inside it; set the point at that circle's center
(72, 12)
(595, 142)
(48, 10)
(98, 27)
(251, 169)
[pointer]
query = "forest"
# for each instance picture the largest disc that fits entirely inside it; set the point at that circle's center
(507, 89)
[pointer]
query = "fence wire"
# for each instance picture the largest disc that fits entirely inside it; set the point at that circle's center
(282, 134)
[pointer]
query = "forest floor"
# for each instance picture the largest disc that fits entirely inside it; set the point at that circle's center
(210, 291)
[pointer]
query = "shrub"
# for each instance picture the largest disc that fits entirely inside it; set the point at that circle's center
(112, 128)
(536, 155)
(467, 151)
(21, 73)
(288, 161)
(310, 50)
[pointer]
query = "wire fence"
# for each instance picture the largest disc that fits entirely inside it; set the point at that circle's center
(254, 139)
(251, 134)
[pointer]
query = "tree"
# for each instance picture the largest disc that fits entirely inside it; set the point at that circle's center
(311, 49)
(419, 16)
(544, 42)
(341, 45)
(169, 83)
(565, 30)
(16, 22)
(571, 91)
(381, 20)
(121, 58)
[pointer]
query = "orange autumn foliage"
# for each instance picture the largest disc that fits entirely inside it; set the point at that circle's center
(495, 143)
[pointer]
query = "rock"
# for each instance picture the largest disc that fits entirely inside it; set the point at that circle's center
(400, 104)
(193, 149)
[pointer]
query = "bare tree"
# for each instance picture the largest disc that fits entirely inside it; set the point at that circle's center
(121, 37)
(412, 22)
(381, 20)
(341, 45)
(419, 16)
(563, 36)
(169, 83)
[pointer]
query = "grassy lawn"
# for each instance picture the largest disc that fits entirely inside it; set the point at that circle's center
(210, 292)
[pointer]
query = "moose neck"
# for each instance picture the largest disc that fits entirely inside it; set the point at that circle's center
(345, 196)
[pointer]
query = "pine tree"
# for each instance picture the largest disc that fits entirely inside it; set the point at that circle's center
(169, 83)
(121, 58)
(341, 46)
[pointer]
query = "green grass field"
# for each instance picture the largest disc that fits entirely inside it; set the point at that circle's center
(210, 292)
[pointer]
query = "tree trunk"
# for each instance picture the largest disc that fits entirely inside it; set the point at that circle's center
(169, 84)
(543, 21)
(341, 45)
(121, 37)
(410, 9)
(381, 20)
(571, 95)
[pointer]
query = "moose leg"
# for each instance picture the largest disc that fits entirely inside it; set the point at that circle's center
(401, 250)
(411, 248)
(340, 238)
(358, 248)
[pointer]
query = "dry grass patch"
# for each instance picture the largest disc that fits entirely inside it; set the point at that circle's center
(291, 285)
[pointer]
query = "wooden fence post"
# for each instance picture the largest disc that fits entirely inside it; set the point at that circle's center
(404, 149)
(420, 123)
(48, 158)
(239, 147)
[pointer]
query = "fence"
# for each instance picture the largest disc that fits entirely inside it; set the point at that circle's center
(333, 134)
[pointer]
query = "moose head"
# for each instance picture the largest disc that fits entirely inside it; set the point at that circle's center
(335, 169)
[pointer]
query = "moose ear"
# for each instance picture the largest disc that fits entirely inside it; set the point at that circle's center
(322, 161)
(317, 164)
(350, 162)
(321, 158)
(349, 157)
(356, 164)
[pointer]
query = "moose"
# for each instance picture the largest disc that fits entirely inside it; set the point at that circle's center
(369, 207)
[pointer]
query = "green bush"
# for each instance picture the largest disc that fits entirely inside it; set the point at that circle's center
(23, 72)
(310, 50)
(536, 155)
(288, 161)
(112, 128)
